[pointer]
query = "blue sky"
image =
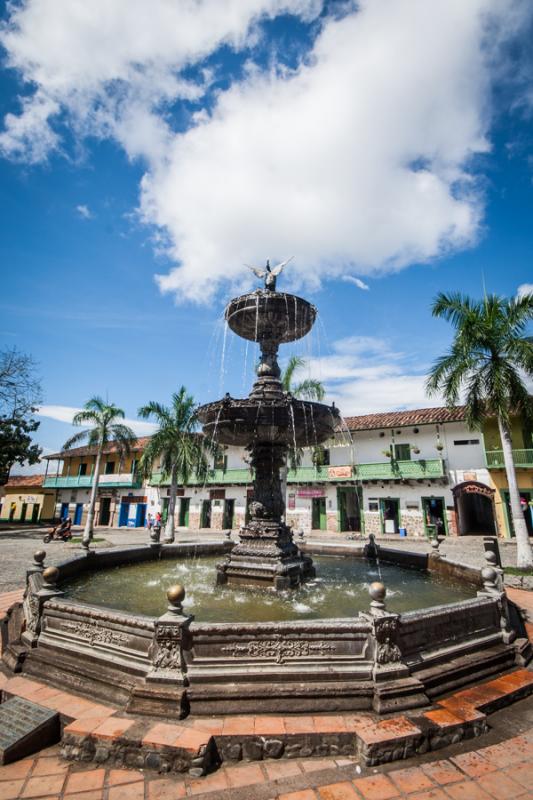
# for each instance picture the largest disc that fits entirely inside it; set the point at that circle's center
(149, 149)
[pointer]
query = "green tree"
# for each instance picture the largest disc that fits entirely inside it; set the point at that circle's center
(104, 427)
(181, 450)
(20, 394)
(16, 446)
(489, 357)
(308, 389)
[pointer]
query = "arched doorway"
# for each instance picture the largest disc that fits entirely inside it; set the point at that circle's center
(474, 507)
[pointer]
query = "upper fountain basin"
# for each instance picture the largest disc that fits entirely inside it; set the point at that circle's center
(284, 421)
(270, 316)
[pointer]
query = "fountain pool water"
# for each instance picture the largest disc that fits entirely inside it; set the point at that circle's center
(340, 591)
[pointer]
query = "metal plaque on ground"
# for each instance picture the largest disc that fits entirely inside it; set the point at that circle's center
(25, 728)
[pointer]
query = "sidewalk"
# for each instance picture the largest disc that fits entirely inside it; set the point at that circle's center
(499, 771)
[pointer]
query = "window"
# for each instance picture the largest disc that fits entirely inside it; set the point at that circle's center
(373, 504)
(402, 452)
(109, 467)
(221, 461)
(411, 505)
(82, 469)
(134, 463)
(320, 456)
(458, 442)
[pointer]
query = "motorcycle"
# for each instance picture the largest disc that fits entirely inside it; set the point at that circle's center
(61, 533)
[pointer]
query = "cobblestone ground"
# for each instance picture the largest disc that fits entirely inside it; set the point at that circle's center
(499, 771)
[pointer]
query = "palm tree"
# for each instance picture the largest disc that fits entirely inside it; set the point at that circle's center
(488, 359)
(104, 428)
(182, 451)
(309, 389)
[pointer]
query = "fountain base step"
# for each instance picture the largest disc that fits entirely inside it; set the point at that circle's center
(276, 574)
(266, 557)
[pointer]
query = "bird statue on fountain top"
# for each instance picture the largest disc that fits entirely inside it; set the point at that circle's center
(269, 274)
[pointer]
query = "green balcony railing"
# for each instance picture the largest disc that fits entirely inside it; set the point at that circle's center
(400, 470)
(521, 458)
(218, 477)
(388, 470)
(125, 479)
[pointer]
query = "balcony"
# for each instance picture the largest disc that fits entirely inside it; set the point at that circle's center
(389, 470)
(420, 469)
(523, 459)
(216, 477)
(128, 480)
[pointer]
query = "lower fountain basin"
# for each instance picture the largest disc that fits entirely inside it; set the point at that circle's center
(287, 421)
(340, 591)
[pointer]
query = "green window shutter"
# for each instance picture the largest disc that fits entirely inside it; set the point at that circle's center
(402, 452)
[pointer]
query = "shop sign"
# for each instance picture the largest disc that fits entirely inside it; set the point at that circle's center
(311, 492)
(340, 472)
(132, 499)
(217, 494)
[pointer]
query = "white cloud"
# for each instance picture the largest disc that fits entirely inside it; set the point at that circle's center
(523, 289)
(66, 413)
(84, 211)
(364, 375)
(358, 161)
(357, 281)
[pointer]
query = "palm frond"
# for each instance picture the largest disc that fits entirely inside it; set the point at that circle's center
(76, 439)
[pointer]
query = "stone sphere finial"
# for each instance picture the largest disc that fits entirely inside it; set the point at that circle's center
(175, 597)
(490, 558)
(38, 558)
(377, 591)
(51, 576)
(489, 575)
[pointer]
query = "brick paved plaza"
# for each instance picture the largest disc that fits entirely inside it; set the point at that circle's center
(498, 771)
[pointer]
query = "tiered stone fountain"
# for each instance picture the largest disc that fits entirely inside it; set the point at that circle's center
(266, 423)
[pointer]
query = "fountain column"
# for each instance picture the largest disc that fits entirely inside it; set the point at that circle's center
(264, 423)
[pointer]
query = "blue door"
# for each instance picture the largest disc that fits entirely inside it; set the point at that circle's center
(64, 511)
(78, 513)
(141, 515)
(123, 515)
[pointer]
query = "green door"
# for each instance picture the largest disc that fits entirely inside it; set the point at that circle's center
(227, 519)
(24, 512)
(390, 514)
(349, 505)
(184, 512)
(319, 514)
(205, 520)
(164, 510)
(35, 512)
(434, 511)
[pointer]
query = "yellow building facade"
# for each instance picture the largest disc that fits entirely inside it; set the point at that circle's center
(25, 500)
(523, 458)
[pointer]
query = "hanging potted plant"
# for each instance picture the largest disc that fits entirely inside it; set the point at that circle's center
(415, 450)
(439, 445)
(387, 453)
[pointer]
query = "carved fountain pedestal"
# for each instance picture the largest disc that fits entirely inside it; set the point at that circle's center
(266, 422)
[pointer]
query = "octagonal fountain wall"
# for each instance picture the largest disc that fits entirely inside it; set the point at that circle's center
(175, 664)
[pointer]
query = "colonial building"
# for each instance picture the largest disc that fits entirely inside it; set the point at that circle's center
(121, 499)
(24, 499)
(403, 472)
(409, 471)
(522, 437)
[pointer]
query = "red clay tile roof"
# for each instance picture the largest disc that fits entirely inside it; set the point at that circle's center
(398, 419)
(140, 444)
(25, 481)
